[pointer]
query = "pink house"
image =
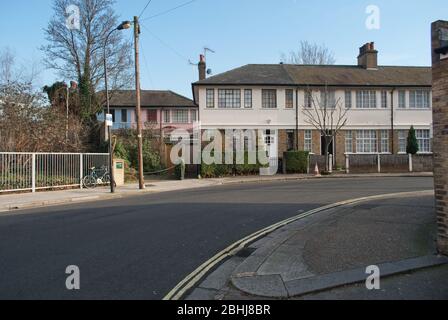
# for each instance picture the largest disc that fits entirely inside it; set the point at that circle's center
(162, 111)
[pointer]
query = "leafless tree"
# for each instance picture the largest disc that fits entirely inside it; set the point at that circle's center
(29, 124)
(327, 115)
(309, 53)
(78, 54)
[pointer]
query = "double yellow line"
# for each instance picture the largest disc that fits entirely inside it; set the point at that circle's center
(192, 279)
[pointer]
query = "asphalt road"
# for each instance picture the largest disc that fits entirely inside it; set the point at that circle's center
(141, 247)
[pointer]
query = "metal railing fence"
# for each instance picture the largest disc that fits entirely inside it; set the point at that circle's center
(40, 171)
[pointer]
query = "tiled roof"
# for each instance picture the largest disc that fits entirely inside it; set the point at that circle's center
(149, 98)
(320, 75)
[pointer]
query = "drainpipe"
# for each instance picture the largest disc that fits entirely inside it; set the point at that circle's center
(296, 138)
(392, 120)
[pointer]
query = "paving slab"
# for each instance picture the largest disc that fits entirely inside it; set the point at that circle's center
(333, 248)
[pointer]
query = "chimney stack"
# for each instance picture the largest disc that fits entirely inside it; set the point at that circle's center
(368, 56)
(202, 68)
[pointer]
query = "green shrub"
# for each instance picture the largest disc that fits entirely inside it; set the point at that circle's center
(223, 170)
(296, 161)
(412, 147)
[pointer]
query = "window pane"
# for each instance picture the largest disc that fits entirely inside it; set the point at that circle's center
(194, 116)
(348, 99)
(402, 99)
(308, 103)
(384, 95)
(269, 99)
(328, 99)
(229, 98)
(180, 116)
(308, 146)
(166, 116)
(289, 96)
(424, 141)
(210, 98)
(366, 141)
(248, 98)
(151, 116)
(366, 99)
(349, 141)
(124, 115)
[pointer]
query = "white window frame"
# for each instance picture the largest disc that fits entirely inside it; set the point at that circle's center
(348, 99)
(184, 119)
(384, 99)
(366, 99)
(402, 99)
(366, 142)
(402, 141)
(308, 99)
(328, 99)
(349, 141)
(229, 98)
(264, 104)
(308, 141)
(291, 100)
(210, 98)
(193, 115)
(384, 142)
(248, 99)
(166, 116)
(424, 140)
(419, 99)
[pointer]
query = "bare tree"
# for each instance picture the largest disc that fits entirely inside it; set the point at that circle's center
(78, 54)
(327, 115)
(309, 53)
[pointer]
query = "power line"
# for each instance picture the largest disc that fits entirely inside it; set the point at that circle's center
(169, 10)
(180, 55)
(147, 66)
(144, 9)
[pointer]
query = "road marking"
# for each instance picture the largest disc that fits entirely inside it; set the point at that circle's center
(192, 279)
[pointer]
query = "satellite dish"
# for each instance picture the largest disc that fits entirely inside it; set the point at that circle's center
(209, 71)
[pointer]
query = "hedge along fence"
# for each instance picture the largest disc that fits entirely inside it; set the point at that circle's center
(423, 163)
(388, 163)
(296, 162)
(316, 159)
(239, 169)
(394, 163)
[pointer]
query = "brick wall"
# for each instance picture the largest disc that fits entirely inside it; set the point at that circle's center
(440, 121)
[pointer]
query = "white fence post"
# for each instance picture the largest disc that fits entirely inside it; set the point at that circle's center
(33, 173)
(411, 169)
(330, 163)
(347, 164)
(379, 163)
(81, 170)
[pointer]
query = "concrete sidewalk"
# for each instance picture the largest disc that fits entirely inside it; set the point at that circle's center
(12, 202)
(332, 249)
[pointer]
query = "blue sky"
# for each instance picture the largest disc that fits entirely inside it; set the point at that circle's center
(241, 32)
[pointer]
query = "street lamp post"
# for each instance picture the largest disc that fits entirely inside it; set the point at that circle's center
(124, 25)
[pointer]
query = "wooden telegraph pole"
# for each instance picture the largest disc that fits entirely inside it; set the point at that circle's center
(141, 178)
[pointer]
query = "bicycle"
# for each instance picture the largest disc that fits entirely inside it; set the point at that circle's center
(96, 177)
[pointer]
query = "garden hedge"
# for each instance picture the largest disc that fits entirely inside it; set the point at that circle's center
(296, 161)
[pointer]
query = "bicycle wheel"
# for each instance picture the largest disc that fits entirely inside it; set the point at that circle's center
(89, 182)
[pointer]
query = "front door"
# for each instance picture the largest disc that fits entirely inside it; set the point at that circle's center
(271, 143)
(330, 147)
